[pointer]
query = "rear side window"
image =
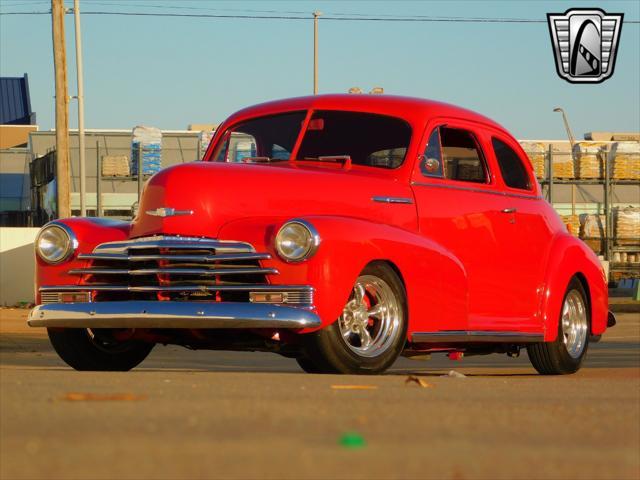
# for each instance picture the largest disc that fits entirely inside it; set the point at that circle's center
(513, 171)
(461, 156)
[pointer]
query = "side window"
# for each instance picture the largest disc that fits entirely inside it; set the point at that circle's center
(237, 147)
(461, 156)
(431, 164)
(513, 171)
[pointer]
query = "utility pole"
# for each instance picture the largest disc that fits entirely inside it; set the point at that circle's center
(316, 14)
(79, 72)
(63, 176)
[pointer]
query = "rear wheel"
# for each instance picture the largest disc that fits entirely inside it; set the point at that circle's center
(566, 353)
(370, 333)
(98, 350)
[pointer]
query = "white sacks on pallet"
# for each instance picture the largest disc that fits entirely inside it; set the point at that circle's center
(204, 137)
(150, 139)
(628, 225)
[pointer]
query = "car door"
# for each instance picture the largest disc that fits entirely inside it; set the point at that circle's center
(525, 237)
(459, 206)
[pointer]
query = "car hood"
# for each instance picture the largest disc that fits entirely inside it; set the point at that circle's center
(218, 193)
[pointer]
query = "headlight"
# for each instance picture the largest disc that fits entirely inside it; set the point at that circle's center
(55, 243)
(297, 240)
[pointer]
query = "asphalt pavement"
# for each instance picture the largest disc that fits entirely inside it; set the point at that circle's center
(203, 414)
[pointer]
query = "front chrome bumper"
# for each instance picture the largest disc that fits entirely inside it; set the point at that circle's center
(155, 314)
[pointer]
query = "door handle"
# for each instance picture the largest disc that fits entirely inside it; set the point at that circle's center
(508, 210)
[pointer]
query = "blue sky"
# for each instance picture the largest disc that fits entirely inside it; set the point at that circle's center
(170, 72)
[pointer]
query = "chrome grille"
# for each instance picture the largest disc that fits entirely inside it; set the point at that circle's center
(49, 297)
(176, 268)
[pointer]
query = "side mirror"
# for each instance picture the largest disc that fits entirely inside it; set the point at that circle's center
(432, 165)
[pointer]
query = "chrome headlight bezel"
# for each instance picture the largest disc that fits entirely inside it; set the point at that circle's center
(66, 248)
(299, 252)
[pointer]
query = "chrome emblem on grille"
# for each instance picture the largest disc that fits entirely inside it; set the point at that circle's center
(168, 212)
(585, 43)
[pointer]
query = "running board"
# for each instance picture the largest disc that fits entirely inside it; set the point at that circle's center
(476, 336)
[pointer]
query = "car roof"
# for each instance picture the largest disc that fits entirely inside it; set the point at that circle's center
(413, 110)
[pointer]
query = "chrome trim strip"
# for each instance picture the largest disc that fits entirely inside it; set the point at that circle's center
(478, 190)
(176, 243)
(179, 258)
(175, 271)
(154, 314)
(168, 212)
(383, 199)
(247, 287)
(476, 336)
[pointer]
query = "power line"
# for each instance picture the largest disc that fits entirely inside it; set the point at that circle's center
(308, 17)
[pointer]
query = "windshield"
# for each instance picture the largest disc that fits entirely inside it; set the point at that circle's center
(266, 138)
(365, 138)
(368, 139)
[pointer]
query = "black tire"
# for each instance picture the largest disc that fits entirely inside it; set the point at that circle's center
(325, 351)
(307, 365)
(95, 351)
(553, 358)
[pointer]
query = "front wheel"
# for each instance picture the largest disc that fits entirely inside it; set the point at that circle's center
(98, 350)
(566, 353)
(370, 333)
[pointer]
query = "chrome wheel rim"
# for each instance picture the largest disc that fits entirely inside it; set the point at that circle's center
(575, 325)
(372, 318)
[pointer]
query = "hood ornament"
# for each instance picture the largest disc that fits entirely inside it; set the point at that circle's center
(168, 212)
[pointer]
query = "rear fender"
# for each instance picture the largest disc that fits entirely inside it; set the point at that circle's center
(434, 280)
(570, 257)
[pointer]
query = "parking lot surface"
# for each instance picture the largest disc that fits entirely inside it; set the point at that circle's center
(204, 414)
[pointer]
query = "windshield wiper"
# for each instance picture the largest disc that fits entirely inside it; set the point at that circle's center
(261, 160)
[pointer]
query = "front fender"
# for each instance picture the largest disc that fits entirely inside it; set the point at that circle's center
(89, 232)
(570, 257)
(435, 281)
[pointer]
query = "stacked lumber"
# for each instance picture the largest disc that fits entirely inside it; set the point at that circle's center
(572, 223)
(563, 165)
(626, 164)
(537, 153)
(590, 160)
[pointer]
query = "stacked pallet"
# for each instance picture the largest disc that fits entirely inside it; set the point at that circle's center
(563, 165)
(572, 223)
(593, 229)
(115, 166)
(536, 151)
(147, 140)
(204, 137)
(627, 221)
(590, 160)
(626, 164)
(624, 257)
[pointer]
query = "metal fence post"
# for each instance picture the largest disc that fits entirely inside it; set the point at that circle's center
(140, 174)
(98, 181)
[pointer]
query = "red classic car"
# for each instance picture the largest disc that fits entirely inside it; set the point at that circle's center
(339, 230)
